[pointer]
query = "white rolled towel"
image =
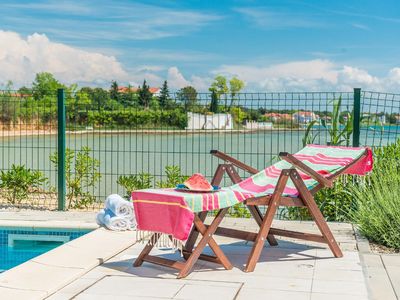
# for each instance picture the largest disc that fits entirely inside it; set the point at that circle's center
(120, 207)
(107, 218)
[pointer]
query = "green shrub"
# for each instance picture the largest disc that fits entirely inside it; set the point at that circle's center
(134, 182)
(139, 118)
(82, 174)
(335, 203)
(378, 199)
(17, 183)
(174, 177)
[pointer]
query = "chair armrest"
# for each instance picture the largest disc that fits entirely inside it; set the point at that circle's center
(306, 169)
(233, 161)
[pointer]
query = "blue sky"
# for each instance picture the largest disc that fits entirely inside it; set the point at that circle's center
(282, 45)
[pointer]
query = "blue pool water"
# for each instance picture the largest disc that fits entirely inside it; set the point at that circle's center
(18, 245)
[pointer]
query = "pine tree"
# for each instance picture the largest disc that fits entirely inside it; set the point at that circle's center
(145, 95)
(214, 102)
(164, 95)
(114, 93)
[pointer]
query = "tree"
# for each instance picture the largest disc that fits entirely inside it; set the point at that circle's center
(7, 107)
(45, 85)
(220, 87)
(145, 95)
(188, 95)
(235, 86)
(128, 98)
(114, 93)
(164, 98)
(214, 102)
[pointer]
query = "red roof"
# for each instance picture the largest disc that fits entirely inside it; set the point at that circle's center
(124, 89)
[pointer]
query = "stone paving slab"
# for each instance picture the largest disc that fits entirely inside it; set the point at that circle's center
(289, 271)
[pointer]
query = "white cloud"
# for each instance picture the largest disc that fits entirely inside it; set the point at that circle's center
(21, 59)
(311, 75)
(176, 80)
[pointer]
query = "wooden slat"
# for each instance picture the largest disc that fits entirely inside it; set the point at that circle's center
(234, 161)
(285, 201)
(315, 213)
(298, 235)
(306, 169)
(164, 262)
(267, 221)
(210, 258)
(146, 250)
(236, 234)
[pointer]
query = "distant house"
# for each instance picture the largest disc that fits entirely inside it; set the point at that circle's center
(209, 122)
(304, 117)
(123, 89)
(277, 117)
(397, 118)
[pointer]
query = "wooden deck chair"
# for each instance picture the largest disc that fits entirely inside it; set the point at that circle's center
(356, 164)
(290, 182)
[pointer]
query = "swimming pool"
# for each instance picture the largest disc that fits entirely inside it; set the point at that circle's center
(18, 245)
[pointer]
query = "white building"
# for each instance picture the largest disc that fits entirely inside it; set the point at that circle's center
(209, 122)
(253, 125)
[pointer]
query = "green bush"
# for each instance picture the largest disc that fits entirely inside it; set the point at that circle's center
(17, 183)
(174, 177)
(335, 203)
(139, 118)
(82, 174)
(134, 182)
(378, 199)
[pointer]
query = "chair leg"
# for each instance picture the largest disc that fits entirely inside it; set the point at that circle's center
(149, 246)
(256, 213)
(207, 238)
(191, 241)
(267, 222)
(315, 212)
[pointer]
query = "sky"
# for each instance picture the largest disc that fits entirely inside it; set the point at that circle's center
(277, 45)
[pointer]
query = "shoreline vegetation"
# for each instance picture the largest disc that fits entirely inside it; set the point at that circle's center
(40, 132)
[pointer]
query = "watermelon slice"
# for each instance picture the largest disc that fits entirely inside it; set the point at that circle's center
(198, 182)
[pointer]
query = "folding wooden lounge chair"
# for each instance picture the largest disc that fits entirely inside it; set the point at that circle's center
(291, 182)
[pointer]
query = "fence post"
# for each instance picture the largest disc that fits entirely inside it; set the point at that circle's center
(61, 148)
(356, 117)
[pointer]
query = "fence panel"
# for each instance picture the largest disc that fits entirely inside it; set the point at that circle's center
(108, 135)
(380, 118)
(28, 137)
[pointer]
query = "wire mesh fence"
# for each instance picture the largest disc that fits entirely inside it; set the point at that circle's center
(111, 138)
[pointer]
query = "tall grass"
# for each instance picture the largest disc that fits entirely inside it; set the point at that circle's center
(377, 212)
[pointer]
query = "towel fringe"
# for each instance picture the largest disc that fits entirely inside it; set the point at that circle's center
(159, 240)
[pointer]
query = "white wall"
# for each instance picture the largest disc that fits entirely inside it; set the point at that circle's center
(210, 122)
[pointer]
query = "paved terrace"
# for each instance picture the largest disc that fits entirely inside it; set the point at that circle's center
(293, 270)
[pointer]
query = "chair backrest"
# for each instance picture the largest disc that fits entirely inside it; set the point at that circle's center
(327, 161)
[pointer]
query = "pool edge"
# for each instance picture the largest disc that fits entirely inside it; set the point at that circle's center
(51, 271)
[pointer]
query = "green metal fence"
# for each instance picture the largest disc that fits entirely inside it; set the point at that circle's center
(98, 136)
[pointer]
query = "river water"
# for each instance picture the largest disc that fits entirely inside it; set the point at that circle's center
(135, 152)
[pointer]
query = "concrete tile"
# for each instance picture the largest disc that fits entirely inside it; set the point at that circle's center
(116, 286)
(14, 294)
(77, 286)
(248, 293)
(340, 287)
(207, 291)
(321, 296)
(278, 283)
(108, 297)
(391, 260)
(339, 275)
(34, 276)
(394, 275)
(61, 296)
